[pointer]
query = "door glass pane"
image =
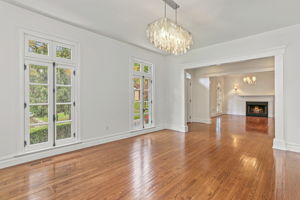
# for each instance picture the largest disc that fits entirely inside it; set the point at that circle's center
(63, 76)
(146, 84)
(63, 52)
(137, 95)
(38, 114)
(38, 74)
(38, 47)
(137, 67)
(38, 94)
(146, 118)
(63, 94)
(137, 107)
(146, 95)
(63, 130)
(136, 83)
(38, 134)
(63, 112)
(147, 69)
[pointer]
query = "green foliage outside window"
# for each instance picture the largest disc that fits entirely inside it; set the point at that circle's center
(38, 74)
(63, 130)
(39, 134)
(63, 94)
(63, 52)
(63, 76)
(38, 94)
(137, 67)
(38, 47)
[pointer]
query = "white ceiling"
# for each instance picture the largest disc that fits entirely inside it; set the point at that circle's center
(210, 21)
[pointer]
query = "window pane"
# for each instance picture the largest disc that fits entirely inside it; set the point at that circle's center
(63, 52)
(137, 106)
(63, 76)
(63, 94)
(38, 74)
(38, 134)
(63, 112)
(38, 94)
(146, 84)
(38, 114)
(38, 47)
(147, 69)
(137, 96)
(63, 130)
(137, 67)
(136, 83)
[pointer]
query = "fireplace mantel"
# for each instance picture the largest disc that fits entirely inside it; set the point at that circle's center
(256, 95)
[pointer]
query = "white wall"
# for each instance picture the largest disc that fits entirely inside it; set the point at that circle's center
(244, 47)
(235, 104)
(104, 81)
(200, 98)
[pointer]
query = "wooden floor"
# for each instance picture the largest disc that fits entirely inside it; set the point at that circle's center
(229, 159)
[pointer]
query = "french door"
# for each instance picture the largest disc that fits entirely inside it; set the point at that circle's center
(142, 102)
(49, 104)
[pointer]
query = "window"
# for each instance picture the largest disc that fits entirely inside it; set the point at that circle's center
(50, 94)
(142, 102)
(219, 98)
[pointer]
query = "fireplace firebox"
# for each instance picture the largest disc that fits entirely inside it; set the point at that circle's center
(257, 109)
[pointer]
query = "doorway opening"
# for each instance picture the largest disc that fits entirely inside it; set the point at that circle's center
(211, 82)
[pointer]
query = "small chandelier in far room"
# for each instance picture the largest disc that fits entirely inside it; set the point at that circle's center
(167, 35)
(249, 80)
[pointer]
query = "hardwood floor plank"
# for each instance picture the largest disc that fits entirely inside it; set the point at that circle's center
(232, 158)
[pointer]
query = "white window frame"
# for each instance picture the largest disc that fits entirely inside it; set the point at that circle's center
(143, 75)
(29, 57)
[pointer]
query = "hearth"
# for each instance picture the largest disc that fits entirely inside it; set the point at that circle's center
(257, 109)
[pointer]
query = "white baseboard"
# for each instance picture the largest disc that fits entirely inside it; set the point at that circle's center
(23, 158)
(206, 121)
(293, 147)
(176, 127)
(279, 144)
(286, 146)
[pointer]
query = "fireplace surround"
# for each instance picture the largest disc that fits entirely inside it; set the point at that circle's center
(257, 109)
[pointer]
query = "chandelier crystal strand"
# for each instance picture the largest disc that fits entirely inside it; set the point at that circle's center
(168, 36)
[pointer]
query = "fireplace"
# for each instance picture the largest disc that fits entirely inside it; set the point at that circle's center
(257, 109)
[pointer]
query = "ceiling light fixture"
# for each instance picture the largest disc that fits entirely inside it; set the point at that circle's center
(249, 80)
(167, 35)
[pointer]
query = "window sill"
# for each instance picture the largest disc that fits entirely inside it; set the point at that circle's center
(46, 149)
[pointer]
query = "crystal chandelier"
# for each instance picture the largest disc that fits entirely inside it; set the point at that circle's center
(249, 80)
(167, 35)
